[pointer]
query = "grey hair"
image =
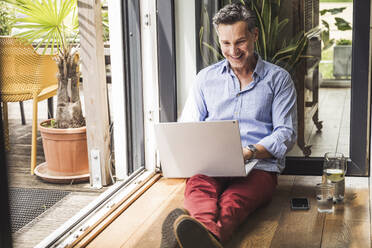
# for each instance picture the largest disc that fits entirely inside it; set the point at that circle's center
(233, 13)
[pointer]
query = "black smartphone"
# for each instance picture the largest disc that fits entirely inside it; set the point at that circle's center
(300, 204)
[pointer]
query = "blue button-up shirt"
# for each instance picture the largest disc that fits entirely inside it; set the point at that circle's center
(265, 109)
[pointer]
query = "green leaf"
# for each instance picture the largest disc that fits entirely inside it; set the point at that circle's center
(49, 22)
(326, 24)
(342, 24)
(282, 24)
(215, 52)
(332, 11)
(262, 34)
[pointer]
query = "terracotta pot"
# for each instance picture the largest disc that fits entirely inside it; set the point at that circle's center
(65, 150)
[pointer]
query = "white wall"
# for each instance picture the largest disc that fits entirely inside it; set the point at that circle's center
(185, 49)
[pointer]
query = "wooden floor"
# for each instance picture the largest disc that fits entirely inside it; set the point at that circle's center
(274, 225)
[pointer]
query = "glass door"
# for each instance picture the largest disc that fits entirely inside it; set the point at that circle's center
(332, 82)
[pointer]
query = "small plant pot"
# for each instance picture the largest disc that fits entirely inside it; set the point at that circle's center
(66, 154)
(342, 61)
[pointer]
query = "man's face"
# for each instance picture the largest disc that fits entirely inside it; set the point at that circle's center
(237, 43)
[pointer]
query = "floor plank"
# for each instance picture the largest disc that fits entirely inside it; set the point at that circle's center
(127, 225)
(356, 203)
(346, 233)
(348, 225)
(149, 235)
(305, 224)
(259, 228)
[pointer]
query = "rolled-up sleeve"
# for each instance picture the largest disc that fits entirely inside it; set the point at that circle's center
(195, 108)
(284, 119)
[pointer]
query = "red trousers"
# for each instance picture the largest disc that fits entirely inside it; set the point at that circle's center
(222, 203)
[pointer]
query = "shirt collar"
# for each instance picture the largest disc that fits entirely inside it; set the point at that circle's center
(225, 66)
(259, 70)
(260, 67)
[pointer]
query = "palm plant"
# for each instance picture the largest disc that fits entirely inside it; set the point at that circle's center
(6, 19)
(54, 24)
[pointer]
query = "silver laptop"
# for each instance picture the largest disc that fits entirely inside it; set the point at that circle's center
(209, 148)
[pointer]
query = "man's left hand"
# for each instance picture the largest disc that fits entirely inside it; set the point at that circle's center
(261, 153)
(247, 154)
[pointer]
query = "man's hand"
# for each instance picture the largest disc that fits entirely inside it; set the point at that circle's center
(261, 153)
(247, 154)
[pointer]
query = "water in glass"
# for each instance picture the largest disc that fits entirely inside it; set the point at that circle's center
(334, 170)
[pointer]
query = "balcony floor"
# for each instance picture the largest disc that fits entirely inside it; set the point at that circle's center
(18, 158)
(334, 112)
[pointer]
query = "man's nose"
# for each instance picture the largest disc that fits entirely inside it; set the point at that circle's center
(233, 50)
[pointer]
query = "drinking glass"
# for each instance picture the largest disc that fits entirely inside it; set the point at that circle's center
(324, 197)
(334, 170)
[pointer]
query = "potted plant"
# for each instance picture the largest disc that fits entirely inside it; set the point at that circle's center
(342, 58)
(54, 25)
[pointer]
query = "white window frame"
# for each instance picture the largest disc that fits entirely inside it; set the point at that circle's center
(117, 79)
(150, 84)
(150, 79)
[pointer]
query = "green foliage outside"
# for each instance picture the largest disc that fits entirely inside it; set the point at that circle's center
(326, 65)
(327, 54)
(7, 17)
(105, 25)
(327, 70)
(52, 23)
(105, 21)
(340, 23)
(343, 42)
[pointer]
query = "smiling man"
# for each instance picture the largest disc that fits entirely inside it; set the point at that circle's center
(262, 97)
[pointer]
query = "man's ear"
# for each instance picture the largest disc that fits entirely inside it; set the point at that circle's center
(255, 32)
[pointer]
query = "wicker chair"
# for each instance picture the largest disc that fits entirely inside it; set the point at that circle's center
(25, 75)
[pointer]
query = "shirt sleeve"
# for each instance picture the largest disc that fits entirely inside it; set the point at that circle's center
(195, 108)
(284, 118)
